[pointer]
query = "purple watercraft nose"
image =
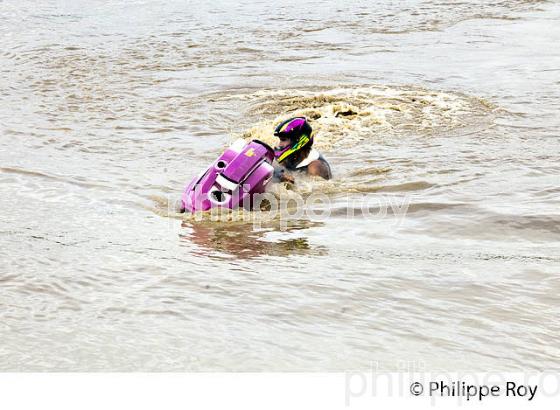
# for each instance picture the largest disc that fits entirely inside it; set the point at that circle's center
(240, 172)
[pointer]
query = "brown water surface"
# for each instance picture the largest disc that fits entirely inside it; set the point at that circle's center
(107, 109)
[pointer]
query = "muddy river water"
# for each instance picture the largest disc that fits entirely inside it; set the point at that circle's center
(442, 243)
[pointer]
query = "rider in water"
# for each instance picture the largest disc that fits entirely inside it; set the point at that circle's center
(295, 151)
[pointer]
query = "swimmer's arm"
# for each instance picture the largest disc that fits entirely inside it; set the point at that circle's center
(319, 168)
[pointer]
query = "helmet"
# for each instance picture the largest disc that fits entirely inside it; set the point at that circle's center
(298, 131)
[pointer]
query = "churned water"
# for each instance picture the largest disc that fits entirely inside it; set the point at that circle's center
(442, 243)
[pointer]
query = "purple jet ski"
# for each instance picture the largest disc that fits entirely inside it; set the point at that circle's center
(242, 171)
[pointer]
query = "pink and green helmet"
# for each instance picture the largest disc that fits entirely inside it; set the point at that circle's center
(298, 131)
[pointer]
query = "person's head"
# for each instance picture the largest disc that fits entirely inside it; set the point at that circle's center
(295, 138)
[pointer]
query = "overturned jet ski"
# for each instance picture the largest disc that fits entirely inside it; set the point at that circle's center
(242, 171)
